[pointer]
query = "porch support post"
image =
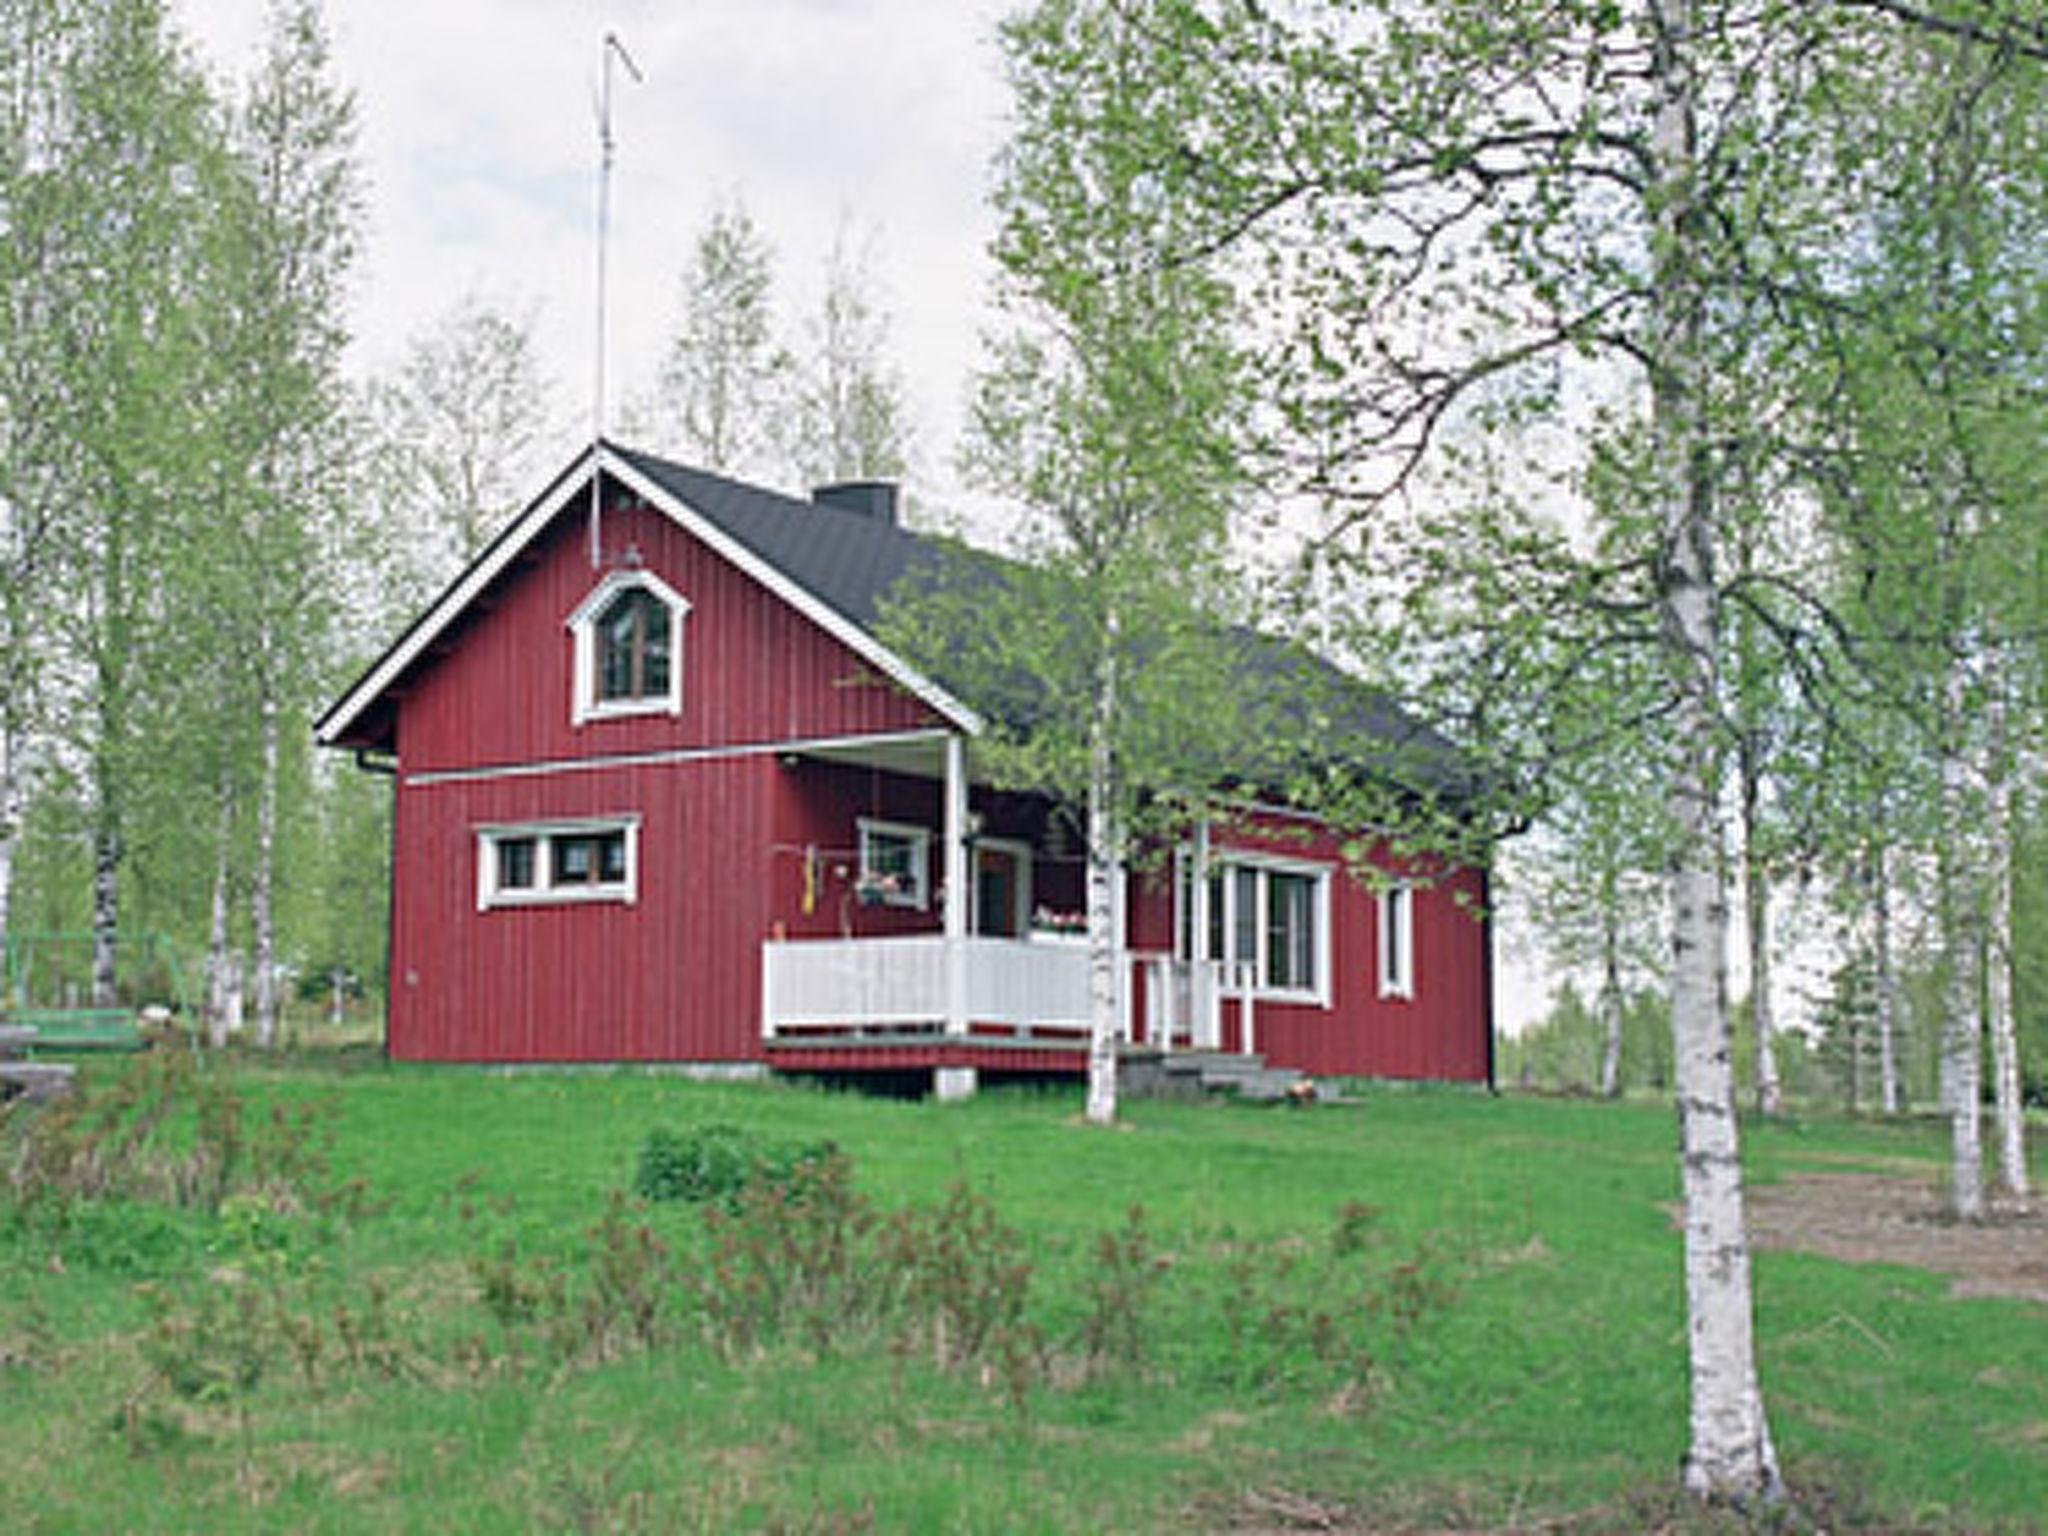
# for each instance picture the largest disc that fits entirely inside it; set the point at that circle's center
(1202, 1033)
(953, 1083)
(957, 878)
(1120, 931)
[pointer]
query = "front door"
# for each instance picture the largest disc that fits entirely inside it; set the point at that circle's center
(1002, 879)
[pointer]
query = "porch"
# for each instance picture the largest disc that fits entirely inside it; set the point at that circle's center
(940, 964)
(980, 1001)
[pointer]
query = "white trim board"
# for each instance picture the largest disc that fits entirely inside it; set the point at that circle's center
(546, 766)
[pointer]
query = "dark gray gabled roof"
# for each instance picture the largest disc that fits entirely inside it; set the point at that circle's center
(853, 561)
(847, 563)
(844, 558)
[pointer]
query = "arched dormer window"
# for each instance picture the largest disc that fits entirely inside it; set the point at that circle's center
(633, 647)
(628, 636)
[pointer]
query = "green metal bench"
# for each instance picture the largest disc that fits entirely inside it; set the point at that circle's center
(79, 1029)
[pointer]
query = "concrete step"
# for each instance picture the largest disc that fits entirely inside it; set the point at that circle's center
(1192, 1074)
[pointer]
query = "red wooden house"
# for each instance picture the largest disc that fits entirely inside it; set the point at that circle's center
(678, 803)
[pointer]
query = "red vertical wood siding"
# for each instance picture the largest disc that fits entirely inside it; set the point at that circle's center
(1439, 1033)
(754, 668)
(724, 843)
(676, 975)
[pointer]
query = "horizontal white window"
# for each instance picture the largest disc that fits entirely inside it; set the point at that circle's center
(546, 863)
(895, 864)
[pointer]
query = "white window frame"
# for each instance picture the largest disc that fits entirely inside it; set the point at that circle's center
(1021, 852)
(1224, 861)
(1396, 961)
(584, 704)
(544, 892)
(920, 840)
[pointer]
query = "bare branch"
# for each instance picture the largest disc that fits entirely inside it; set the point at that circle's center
(2027, 40)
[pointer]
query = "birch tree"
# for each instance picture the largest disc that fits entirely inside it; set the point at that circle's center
(843, 414)
(1106, 414)
(1938, 510)
(1549, 203)
(1451, 199)
(1593, 878)
(135, 157)
(461, 426)
(29, 117)
(717, 396)
(290, 238)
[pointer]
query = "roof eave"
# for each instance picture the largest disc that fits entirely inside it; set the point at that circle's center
(338, 726)
(849, 632)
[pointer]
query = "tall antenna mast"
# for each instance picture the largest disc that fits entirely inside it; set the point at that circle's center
(613, 48)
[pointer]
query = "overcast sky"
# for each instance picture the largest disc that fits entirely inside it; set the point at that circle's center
(479, 141)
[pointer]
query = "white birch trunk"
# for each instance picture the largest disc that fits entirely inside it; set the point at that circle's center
(262, 919)
(1962, 948)
(217, 961)
(263, 879)
(1758, 924)
(1729, 1455)
(1886, 983)
(2009, 1111)
(7, 970)
(1770, 1094)
(10, 826)
(1610, 998)
(1756, 890)
(106, 898)
(232, 993)
(1103, 863)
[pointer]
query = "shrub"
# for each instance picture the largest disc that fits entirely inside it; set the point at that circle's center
(1119, 1291)
(614, 1298)
(169, 1130)
(1297, 1315)
(718, 1163)
(623, 1305)
(967, 1282)
(794, 1260)
(812, 1263)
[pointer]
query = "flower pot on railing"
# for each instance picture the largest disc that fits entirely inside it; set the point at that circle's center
(875, 890)
(1049, 926)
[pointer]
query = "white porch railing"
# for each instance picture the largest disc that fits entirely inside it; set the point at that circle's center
(816, 984)
(814, 987)
(1184, 998)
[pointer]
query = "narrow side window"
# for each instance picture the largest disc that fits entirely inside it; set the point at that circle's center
(1397, 942)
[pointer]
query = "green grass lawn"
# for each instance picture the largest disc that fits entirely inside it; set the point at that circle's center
(1502, 1346)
